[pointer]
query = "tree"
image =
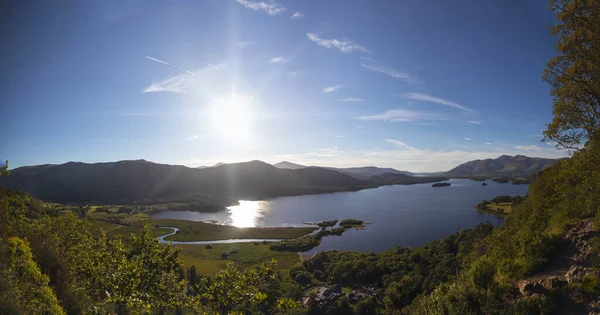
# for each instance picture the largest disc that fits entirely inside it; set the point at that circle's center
(4, 169)
(144, 275)
(23, 289)
(574, 74)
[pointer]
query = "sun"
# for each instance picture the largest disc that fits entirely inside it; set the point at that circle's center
(232, 117)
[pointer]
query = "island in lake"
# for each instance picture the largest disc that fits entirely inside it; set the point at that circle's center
(441, 184)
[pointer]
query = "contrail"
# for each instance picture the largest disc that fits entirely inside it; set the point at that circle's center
(170, 65)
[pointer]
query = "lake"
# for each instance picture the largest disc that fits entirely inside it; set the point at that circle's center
(400, 215)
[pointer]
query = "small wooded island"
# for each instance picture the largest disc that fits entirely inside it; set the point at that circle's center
(440, 185)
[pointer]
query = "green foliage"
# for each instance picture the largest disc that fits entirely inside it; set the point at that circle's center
(573, 73)
(23, 289)
(232, 287)
(300, 244)
(4, 169)
(348, 223)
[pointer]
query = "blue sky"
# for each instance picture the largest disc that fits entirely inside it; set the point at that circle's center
(415, 85)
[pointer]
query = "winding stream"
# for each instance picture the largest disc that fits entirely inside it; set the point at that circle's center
(162, 240)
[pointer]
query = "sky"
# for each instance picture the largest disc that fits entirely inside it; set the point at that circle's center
(414, 85)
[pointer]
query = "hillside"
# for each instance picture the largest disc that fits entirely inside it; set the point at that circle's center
(140, 181)
(505, 165)
(368, 171)
(289, 165)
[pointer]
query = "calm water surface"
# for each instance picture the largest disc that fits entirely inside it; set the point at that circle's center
(400, 215)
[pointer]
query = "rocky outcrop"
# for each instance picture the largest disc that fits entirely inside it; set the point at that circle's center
(572, 264)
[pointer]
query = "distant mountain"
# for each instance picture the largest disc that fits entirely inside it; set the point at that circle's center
(402, 179)
(289, 165)
(369, 171)
(505, 165)
(364, 172)
(143, 181)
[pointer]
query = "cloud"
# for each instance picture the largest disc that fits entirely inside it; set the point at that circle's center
(391, 72)
(271, 8)
(279, 59)
(343, 44)
(170, 65)
(330, 89)
(529, 148)
(194, 137)
(180, 83)
(475, 122)
(400, 144)
(468, 139)
(351, 99)
(340, 136)
(405, 115)
(432, 99)
(488, 143)
(297, 16)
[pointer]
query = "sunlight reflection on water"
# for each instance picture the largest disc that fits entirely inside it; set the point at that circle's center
(247, 213)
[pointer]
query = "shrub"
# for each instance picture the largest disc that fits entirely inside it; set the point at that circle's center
(208, 246)
(224, 255)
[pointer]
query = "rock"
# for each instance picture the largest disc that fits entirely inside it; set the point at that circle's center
(576, 273)
(525, 287)
(552, 282)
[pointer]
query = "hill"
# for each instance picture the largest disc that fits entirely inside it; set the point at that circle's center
(142, 181)
(289, 165)
(369, 171)
(505, 165)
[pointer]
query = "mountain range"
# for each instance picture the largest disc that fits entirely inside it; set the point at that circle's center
(141, 181)
(505, 165)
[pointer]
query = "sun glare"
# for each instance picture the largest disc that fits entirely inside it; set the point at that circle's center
(246, 213)
(232, 117)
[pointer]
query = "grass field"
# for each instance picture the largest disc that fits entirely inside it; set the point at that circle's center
(503, 207)
(199, 231)
(208, 261)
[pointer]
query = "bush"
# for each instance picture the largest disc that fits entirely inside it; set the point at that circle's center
(208, 246)
(320, 275)
(303, 278)
(224, 255)
(234, 251)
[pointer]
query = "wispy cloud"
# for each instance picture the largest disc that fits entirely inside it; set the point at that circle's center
(330, 89)
(405, 115)
(475, 122)
(297, 16)
(194, 137)
(340, 136)
(343, 44)
(178, 83)
(389, 71)
(351, 99)
(468, 139)
(400, 144)
(170, 65)
(488, 143)
(279, 59)
(432, 99)
(529, 148)
(271, 8)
